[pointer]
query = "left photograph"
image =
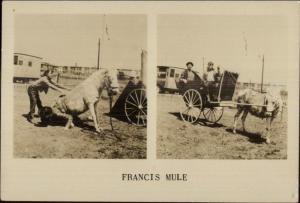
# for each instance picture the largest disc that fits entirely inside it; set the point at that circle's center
(78, 86)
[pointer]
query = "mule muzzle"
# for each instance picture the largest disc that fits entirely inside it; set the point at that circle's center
(268, 113)
(113, 91)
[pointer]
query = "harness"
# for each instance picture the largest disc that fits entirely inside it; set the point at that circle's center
(265, 112)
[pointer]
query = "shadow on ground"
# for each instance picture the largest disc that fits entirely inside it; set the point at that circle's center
(61, 121)
(252, 137)
(119, 117)
(200, 121)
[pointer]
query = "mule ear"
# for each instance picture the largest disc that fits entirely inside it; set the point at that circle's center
(106, 72)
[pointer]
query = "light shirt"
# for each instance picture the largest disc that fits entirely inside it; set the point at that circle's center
(210, 76)
(42, 84)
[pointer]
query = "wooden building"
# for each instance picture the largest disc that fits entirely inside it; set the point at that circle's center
(26, 67)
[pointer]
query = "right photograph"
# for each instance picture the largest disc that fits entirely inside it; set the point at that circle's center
(222, 87)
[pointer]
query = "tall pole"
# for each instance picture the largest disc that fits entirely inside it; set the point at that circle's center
(98, 61)
(262, 74)
(143, 65)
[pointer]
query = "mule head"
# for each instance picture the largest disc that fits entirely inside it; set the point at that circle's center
(111, 82)
(273, 106)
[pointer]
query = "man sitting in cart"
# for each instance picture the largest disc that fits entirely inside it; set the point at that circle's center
(188, 75)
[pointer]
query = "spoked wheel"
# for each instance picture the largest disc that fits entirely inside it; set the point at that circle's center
(192, 108)
(136, 107)
(213, 114)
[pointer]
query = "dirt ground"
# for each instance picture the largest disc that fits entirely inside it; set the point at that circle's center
(53, 141)
(179, 140)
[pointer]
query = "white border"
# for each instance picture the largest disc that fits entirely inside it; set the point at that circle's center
(100, 180)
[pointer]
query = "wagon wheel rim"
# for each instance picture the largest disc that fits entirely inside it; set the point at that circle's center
(136, 107)
(192, 106)
(213, 114)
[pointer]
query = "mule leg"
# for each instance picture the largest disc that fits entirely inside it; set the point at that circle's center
(236, 117)
(268, 129)
(89, 117)
(244, 116)
(69, 123)
(94, 116)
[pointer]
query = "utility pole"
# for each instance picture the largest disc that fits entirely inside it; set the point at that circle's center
(262, 74)
(143, 65)
(98, 62)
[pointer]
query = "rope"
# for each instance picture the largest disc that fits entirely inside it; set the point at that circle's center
(110, 107)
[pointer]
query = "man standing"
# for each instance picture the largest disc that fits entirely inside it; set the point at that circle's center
(188, 75)
(210, 79)
(218, 75)
(41, 85)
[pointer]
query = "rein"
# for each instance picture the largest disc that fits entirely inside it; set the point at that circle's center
(110, 95)
(265, 113)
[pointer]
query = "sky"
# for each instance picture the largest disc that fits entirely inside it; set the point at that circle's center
(235, 43)
(64, 39)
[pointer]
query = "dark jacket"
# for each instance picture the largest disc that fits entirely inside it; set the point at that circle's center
(184, 75)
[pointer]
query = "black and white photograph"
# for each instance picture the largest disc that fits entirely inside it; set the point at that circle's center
(143, 101)
(222, 87)
(78, 86)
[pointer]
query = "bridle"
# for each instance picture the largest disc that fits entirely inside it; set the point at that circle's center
(266, 112)
(107, 85)
(110, 94)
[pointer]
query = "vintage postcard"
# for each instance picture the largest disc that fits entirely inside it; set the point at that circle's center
(150, 101)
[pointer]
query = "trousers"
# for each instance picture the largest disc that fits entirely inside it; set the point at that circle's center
(211, 88)
(34, 99)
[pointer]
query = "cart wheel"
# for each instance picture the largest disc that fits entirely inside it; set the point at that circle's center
(192, 108)
(136, 107)
(213, 114)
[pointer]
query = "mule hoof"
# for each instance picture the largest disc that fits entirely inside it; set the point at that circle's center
(67, 127)
(99, 130)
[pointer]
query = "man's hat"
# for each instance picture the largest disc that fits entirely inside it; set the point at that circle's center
(189, 63)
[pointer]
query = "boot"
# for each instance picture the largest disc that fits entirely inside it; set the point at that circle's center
(29, 118)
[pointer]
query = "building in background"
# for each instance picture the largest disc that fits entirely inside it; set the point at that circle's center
(48, 66)
(26, 67)
(80, 70)
(126, 73)
(168, 78)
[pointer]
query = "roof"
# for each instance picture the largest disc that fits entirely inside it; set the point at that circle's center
(127, 69)
(170, 67)
(46, 63)
(29, 55)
